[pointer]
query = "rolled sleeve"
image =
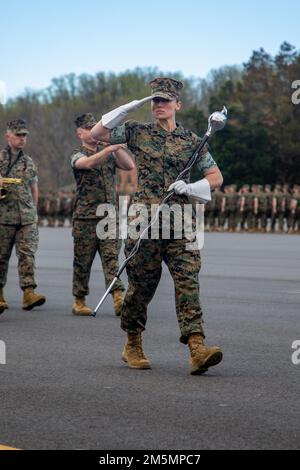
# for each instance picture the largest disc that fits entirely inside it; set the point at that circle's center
(125, 134)
(76, 157)
(206, 163)
(32, 173)
(118, 135)
(33, 180)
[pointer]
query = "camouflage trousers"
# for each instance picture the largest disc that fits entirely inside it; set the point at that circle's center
(222, 219)
(232, 219)
(86, 245)
(253, 221)
(51, 221)
(293, 221)
(61, 220)
(265, 215)
(25, 238)
(144, 273)
(281, 221)
(210, 218)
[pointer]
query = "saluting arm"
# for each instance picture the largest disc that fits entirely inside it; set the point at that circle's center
(123, 159)
(99, 158)
(101, 131)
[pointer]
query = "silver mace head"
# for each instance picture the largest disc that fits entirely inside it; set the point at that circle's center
(216, 121)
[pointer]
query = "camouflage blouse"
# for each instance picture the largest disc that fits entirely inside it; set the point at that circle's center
(95, 186)
(18, 207)
(160, 156)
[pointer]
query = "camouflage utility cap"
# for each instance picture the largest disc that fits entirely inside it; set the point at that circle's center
(17, 126)
(166, 88)
(85, 121)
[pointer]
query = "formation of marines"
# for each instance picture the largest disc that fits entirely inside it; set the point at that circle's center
(55, 209)
(254, 209)
(251, 209)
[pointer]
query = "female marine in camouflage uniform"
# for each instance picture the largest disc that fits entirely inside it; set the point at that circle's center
(161, 150)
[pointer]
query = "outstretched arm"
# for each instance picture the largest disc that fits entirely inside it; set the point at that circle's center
(101, 131)
(100, 158)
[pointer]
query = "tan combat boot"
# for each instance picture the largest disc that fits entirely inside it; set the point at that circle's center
(133, 352)
(3, 303)
(202, 357)
(80, 308)
(31, 299)
(118, 297)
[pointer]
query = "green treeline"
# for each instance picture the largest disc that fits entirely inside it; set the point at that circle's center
(261, 143)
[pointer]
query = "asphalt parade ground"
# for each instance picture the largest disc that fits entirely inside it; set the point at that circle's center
(64, 385)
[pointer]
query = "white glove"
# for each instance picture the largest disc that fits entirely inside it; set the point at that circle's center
(199, 190)
(116, 116)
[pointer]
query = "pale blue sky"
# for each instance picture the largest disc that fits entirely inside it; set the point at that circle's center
(42, 39)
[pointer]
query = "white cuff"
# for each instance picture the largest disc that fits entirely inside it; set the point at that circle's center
(117, 116)
(114, 117)
(200, 191)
